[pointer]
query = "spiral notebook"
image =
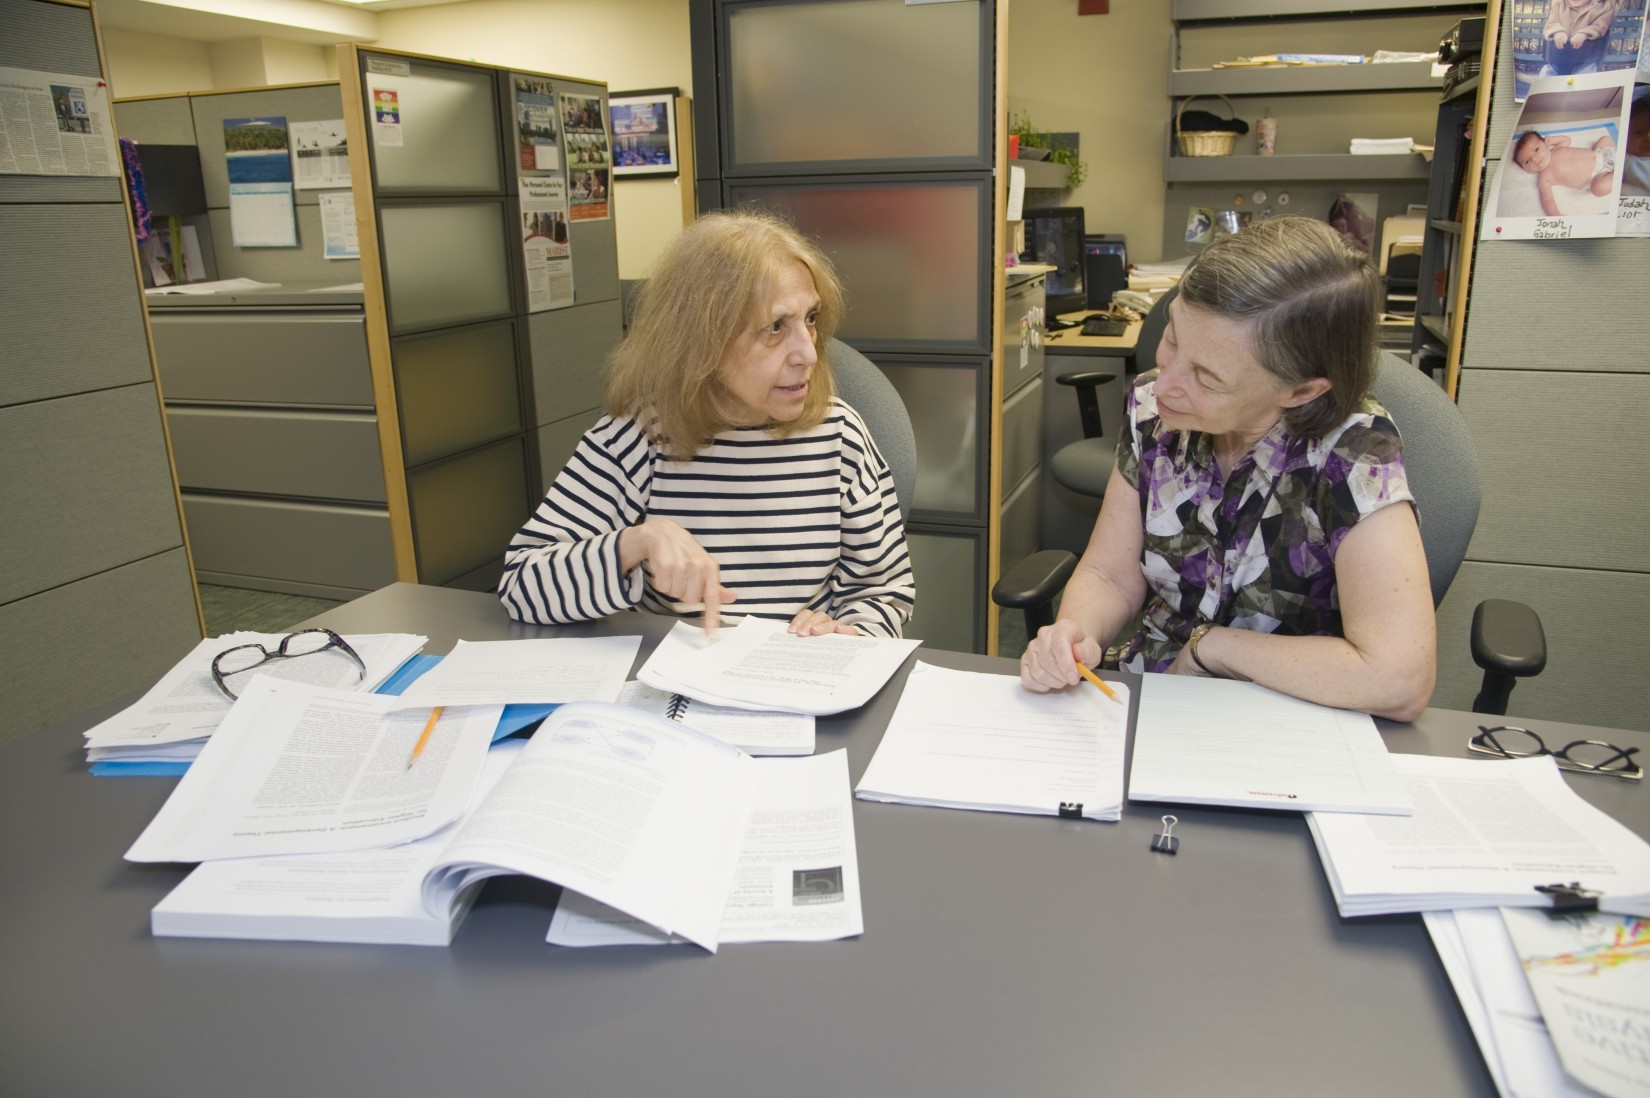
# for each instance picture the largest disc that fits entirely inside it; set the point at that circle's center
(753, 731)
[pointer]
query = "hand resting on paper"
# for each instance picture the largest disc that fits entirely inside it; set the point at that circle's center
(816, 623)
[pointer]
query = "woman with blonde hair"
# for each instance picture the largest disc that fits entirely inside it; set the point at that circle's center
(726, 470)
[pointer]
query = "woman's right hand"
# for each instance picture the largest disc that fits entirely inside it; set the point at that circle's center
(1050, 660)
(679, 565)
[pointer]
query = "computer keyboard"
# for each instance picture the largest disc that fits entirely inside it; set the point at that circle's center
(1104, 326)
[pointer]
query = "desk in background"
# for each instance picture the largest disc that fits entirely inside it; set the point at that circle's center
(1066, 517)
(1002, 955)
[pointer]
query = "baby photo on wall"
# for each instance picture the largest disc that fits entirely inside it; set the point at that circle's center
(1560, 175)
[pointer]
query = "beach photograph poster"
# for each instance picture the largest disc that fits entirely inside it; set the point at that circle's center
(258, 159)
(644, 132)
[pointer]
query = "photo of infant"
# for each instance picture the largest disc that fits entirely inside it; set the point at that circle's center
(1555, 162)
(1635, 171)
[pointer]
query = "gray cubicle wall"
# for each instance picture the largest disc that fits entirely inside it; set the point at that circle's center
(96, 598)
(1555, 386)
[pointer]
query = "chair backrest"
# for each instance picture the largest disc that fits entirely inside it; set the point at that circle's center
(1441, 463)
(873, 396)
(1151, 332)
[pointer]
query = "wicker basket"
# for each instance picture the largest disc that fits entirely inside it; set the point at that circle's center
(1204, 142)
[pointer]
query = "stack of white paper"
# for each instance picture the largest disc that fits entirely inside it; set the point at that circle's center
(538, 671)
(798, 876)
(173, 719)
(1484, 834)
(960, 739)
(1555, 1004)
(1382, 146)
(753, 731)
(758, 664)
(1224, 742)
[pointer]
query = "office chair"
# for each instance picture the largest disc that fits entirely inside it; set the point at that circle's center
(873, 396)
(1085, 466)
(1442, 466)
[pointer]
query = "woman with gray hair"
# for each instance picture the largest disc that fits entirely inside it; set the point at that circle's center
(726, 470)
(1259, 513)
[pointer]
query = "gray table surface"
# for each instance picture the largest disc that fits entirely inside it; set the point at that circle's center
(1002, 955)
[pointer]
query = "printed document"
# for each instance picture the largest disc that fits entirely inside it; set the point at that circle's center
(1484, 834)
(356, 896)
(298, 769)
(798, 873)
(187, 705)
(526, 672)
(753, 731)
(641, 813)
(1224, 742)
(961, 739)
(757, 664)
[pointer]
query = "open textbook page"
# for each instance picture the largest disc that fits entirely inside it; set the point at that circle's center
(298, 769)
(639, 812)
(798, 873)
(186, 705)
(1489, 982)
(758, 664)
(1225, 742)
(1484, 834)
(356, 896)
(542, 670)
(753, 731)
(961, 739)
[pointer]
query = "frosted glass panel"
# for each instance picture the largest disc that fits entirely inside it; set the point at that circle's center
(855, 80)
(444, 264)
(946, 567)
(447, 128)
(456, 390)
(908, 253)
(944, 406)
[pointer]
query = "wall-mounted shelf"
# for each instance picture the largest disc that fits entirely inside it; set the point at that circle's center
(1187, 11)
(1043, 174)
(1326, 167)
(1305, 79)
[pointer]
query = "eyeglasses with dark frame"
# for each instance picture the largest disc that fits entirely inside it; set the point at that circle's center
(1509, 741)
(305, 642)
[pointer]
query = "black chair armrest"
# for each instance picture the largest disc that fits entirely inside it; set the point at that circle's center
(1088, 403)
(1509, 644)
(1032, 584)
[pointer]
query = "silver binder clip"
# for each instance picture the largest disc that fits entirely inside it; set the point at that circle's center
(1166, 843)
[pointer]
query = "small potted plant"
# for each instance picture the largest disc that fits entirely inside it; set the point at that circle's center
(1036, 144)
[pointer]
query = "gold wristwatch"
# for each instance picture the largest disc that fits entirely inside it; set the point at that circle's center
(1191, 645)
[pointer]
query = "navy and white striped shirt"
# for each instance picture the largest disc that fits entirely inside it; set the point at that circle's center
(806, 521)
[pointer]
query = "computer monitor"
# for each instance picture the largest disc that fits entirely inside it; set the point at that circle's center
(1105, 267)
(1055, 236)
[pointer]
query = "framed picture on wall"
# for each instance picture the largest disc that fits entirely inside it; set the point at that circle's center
(644, 132)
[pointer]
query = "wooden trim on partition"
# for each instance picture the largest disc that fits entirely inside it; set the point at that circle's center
(999, 238)
(685, 181)
(1475, 189)
(379, 355)
(148, 333)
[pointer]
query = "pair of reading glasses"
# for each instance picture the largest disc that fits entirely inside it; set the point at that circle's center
(1584, 756)
(305, 642)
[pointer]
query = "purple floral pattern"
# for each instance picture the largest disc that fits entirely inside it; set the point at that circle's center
(1255, 550)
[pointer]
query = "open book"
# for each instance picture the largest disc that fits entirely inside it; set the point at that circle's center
(641, 813)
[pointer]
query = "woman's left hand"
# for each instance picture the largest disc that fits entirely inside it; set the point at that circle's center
(814, 623)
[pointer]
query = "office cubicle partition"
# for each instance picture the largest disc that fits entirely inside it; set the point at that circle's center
(875, 125)
(96, 598)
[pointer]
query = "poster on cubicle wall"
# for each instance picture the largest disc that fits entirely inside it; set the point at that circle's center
(1574, 38)
(589, 158)
(538, 146)
(1560, 175)
(258, 159)
(56, 124)
(547, 252)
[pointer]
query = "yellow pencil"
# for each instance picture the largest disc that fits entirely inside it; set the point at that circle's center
(424, 737)
(1101, 683)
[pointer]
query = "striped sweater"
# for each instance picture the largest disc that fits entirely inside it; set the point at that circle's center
(808, 521)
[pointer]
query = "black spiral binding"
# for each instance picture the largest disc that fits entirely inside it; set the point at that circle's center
(677, 706)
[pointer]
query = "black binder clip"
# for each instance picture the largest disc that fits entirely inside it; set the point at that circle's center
(1071, 810)
(1570, 899)
(1166, 843)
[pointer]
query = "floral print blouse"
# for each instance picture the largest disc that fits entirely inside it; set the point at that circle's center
(1257, 549)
